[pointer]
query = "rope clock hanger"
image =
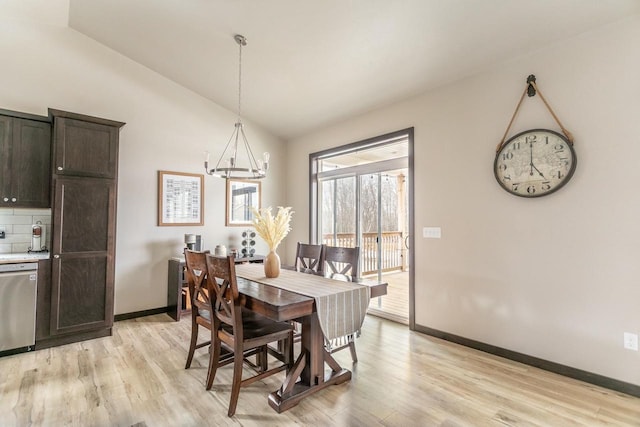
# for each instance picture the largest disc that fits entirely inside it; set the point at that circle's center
(536, 162)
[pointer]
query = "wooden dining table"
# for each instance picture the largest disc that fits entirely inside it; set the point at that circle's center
(307, 375)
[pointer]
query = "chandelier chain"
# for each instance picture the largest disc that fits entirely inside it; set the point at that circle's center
(240, 43)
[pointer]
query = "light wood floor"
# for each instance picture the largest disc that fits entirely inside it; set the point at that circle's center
(137, 378)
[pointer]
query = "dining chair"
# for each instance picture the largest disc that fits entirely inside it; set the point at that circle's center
(241, 329)
(201, 309)
(309, 258)
(195, 273)
(342, 264)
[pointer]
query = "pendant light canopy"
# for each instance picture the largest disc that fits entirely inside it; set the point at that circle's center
(228, 165)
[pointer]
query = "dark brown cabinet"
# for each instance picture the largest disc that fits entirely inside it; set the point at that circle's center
(83, 229)
(85, 148)
(178, 299)
(25, 158)
(83, 248)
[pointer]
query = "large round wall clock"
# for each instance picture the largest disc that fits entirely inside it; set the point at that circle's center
(535, 163)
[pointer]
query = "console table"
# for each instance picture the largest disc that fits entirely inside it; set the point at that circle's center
(178, 301)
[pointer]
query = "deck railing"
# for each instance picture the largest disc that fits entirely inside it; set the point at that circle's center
(393, 250)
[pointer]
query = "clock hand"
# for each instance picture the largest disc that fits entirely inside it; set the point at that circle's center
(531, 161)
(533, 166)
(531, 158)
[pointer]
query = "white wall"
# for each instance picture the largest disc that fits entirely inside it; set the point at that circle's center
(168, 128)
(554, 277)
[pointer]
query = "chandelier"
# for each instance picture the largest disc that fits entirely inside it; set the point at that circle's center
(228, 166)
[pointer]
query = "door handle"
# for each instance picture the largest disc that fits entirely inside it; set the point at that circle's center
(56, 256)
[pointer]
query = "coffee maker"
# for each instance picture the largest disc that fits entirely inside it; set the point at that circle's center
(193, 242)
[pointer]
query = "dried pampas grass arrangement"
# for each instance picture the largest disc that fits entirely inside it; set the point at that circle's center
(272, 229)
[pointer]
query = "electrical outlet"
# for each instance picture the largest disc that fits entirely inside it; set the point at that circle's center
(631, 341)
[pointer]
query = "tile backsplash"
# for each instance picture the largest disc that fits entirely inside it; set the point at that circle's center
(17, 223)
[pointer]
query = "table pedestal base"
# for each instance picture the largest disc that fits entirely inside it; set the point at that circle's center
(281, 403)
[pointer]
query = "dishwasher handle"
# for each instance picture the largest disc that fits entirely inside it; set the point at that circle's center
(20, 266)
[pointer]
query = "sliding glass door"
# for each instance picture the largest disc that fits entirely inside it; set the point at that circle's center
(363, 200)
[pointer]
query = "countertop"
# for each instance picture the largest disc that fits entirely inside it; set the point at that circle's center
(23, 257)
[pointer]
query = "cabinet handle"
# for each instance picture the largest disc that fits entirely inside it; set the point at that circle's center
(59, 168)
(13, 199)
(56, 256)
(6, 199)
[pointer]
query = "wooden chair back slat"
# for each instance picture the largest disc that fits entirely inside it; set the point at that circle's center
(342, 263)
(223, 286)
(309, 258)
(196, 275)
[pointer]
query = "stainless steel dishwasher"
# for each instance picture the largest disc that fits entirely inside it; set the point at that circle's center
(18, 305)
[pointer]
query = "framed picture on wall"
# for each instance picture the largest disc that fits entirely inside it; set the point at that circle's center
(242, 196)
(180, 198)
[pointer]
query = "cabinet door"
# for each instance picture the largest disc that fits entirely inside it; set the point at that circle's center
(6, 135)
(25, 146)
(85, 149)
(31, 165)
(83, 254)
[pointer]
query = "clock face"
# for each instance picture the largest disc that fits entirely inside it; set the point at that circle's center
(535, 163)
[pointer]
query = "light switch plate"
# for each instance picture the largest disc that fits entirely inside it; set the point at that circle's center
(432, 232)
(631, 341)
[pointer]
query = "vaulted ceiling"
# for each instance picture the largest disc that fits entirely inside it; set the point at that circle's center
(308, 64)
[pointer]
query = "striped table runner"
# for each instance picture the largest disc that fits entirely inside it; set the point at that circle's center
(341, 306)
